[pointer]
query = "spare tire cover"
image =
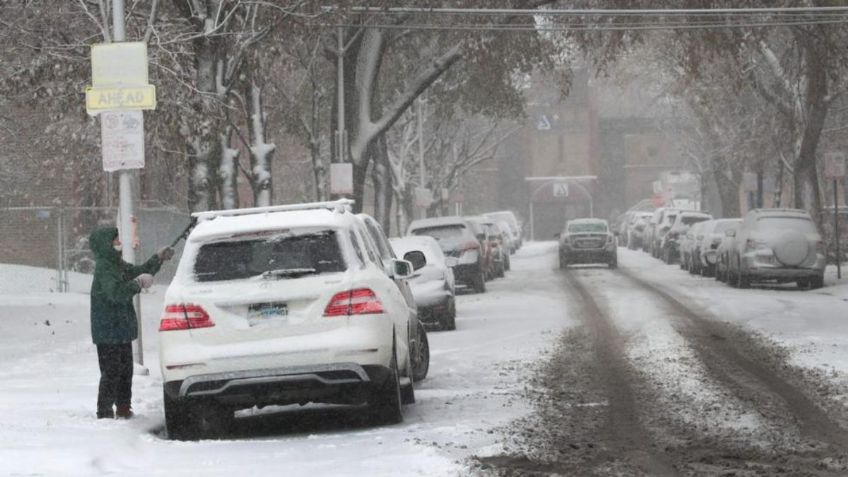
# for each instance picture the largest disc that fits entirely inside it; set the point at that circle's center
(791, 248)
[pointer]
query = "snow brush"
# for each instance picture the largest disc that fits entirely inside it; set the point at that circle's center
(185, 232)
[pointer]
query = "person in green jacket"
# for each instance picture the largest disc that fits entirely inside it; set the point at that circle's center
(113, 320)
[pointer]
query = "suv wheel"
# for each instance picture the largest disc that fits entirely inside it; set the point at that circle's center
(386, 399)
(449, 316)
(196, 420)
(478, 283)
(420, 355)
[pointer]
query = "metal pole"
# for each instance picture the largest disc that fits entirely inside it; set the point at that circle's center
(59, 259)
(421, 172)
(836, 229)
(340, 90)
(532, 231)
(126, 199)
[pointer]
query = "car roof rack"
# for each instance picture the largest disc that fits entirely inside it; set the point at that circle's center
(339, 206)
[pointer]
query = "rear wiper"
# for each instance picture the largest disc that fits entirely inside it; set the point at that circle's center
(288, 272)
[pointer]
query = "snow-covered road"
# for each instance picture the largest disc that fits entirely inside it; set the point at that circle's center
(642, 370)
(669, 374)
(49, 385)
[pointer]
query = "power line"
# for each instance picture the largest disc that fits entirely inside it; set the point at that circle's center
(596, 11)
(584, 27)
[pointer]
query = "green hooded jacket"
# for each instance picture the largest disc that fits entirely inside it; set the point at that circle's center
(113, 319)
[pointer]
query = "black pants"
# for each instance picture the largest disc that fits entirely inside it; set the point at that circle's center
(116, 372)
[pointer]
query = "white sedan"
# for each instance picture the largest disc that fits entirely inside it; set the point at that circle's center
(432, 282)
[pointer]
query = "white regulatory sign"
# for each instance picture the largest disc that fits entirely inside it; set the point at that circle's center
(341, 178)
(122, 136)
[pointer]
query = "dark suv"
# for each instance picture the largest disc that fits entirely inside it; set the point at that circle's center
(457, 240)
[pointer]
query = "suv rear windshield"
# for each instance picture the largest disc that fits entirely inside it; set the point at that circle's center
(278, 254)
(786, 222)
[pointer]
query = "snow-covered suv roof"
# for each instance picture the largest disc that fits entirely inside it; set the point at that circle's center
(224, 226)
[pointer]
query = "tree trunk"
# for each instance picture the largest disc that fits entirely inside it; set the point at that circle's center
(382, 178)
(808, 194)
(228, 171)
(261, 152)
(729, 193)
(204, 142)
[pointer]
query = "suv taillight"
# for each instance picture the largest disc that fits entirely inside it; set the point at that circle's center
(362, 301)
(184, 317)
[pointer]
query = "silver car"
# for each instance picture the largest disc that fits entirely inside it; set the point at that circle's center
(432, 282)
(705, 253)
(781, 245)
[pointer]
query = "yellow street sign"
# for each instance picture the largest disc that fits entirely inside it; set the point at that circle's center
(120, 99)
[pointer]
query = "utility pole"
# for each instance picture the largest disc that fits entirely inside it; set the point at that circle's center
(128, 227)
(421, 172)
(341, 107)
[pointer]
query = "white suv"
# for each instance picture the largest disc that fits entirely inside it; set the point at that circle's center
(282, 305)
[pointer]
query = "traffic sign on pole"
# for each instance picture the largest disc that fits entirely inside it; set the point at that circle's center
(122, 136)
(119, 78)
(120, 99)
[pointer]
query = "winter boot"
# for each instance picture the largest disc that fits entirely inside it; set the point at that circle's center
(124, 412)
(105, 414)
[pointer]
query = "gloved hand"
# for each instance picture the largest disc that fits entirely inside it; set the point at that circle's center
(165, 253)
(145, 280)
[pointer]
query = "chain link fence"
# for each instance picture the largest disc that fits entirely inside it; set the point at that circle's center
(56, 237)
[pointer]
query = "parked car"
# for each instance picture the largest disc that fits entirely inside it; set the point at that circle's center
(689, 243)
(432, 281)
(636, 229)
(514, 226)
(282, 305)
(670, 241)
(485, 239)
(723, 251)
(650, 229)
(705, 256)
(781, 245)
(661, 224)
(420, 352)
(458, 242)
(587, 241)
(497, 244)
(508, 244)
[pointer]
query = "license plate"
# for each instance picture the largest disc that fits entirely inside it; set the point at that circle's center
(261, 312)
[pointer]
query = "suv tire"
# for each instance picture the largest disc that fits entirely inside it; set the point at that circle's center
(385, 406)
(420, 355)
(196, 420)
(478, 283)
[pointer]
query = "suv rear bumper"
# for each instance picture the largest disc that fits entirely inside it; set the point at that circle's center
(336, 383)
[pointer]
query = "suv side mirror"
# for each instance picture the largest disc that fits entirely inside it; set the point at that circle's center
(416, 258)
(557, 235)
(401, 269)
(730, 233)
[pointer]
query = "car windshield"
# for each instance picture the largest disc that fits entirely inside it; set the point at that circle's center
(587, 227)
(275, 256)
(692, 219)
(786, 222)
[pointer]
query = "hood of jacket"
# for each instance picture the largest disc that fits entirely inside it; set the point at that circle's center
(100, 242)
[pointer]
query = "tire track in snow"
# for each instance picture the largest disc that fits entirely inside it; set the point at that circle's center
(624, 431)
(731, 359)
